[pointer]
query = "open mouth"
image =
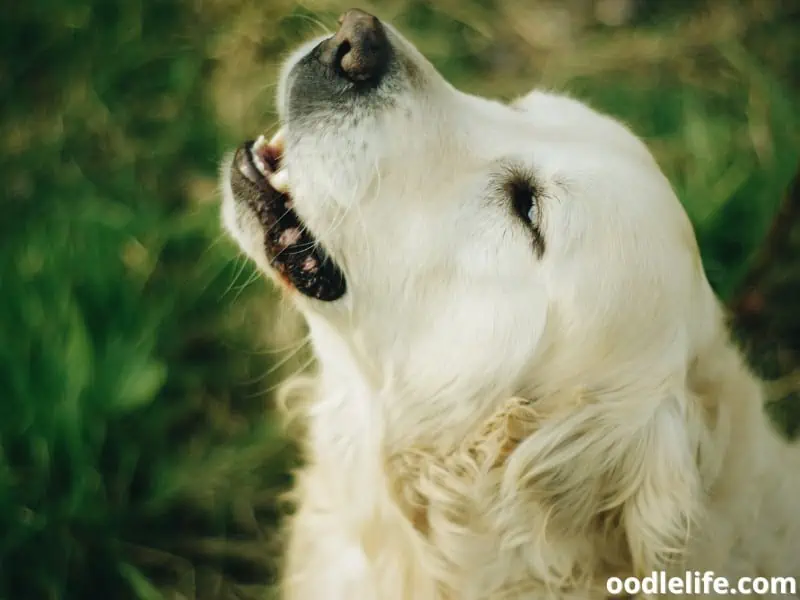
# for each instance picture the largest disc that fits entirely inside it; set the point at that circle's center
(290, 248)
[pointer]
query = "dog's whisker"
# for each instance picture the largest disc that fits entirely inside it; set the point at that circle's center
(241, 256)
(314, 21)
(288, 356)
(281, 350)
(266, 392)
(254, 276)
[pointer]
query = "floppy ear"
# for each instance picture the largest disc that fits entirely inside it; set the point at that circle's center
(619, 468)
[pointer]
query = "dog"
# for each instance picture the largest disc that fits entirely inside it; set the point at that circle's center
(525, 384)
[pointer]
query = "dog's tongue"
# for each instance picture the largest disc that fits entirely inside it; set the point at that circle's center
(291, 249)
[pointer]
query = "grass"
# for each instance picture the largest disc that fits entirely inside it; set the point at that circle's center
(138, 458)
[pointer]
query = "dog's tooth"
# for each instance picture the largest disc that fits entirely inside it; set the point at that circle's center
(260, 164)
(278, 140)
(244, 166)
(280, 181)
(246, 170)
(259, 143)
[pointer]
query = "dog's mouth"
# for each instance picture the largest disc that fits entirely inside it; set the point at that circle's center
(259, 179)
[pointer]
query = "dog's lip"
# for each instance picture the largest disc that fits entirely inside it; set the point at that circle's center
(248, 167)
(291, 249)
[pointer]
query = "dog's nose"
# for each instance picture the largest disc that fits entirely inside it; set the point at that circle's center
(360, 48)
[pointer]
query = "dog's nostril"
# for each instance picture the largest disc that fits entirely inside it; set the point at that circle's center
(343, 50)
(360, 49)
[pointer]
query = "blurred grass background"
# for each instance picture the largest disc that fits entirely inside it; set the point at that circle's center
(138, 456)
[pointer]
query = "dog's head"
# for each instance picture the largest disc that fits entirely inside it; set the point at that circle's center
(465, 248)
(457, 238)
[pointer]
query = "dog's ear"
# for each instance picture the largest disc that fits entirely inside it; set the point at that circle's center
(617, 467)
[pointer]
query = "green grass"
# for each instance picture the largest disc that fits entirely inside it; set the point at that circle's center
(126, 420)
(138, 458)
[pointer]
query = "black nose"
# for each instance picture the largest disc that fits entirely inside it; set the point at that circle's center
(360, 49)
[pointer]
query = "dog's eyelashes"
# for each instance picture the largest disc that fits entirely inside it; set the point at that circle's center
(523, 200)
(524, 195)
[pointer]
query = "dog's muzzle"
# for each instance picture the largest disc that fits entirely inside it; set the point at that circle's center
(343, 70)
(359, 51)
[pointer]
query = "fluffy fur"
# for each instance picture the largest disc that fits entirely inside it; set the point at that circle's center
(491, 422)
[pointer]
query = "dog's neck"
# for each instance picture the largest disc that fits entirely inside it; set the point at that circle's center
(395, 458)
(585, 463)
(376, 401)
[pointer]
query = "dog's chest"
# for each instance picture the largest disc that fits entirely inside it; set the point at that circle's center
(437, 519)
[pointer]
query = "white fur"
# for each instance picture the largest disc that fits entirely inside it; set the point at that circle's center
(490, 424)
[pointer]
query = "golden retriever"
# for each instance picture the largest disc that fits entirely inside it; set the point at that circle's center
(525, 384)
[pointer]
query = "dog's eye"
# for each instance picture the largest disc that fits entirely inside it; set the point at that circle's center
(523, 200)
(524, 195)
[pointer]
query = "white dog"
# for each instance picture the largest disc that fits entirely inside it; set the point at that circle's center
(525, 384)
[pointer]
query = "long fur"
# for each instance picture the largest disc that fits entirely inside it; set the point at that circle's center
(486, 424)
(548, 499)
